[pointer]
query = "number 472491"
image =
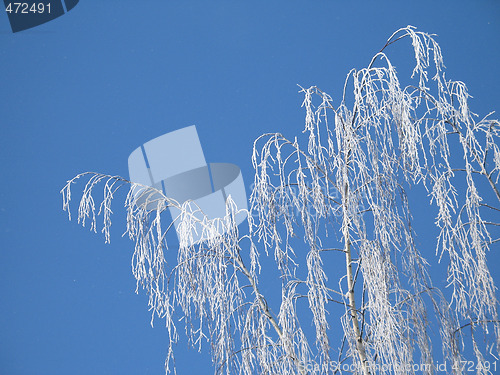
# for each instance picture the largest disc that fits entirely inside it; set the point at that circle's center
(470, 366)
(25, 8)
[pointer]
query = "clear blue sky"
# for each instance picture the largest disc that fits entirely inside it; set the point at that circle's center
(81, 92)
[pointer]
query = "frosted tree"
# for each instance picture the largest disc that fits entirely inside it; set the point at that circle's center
(333, 217)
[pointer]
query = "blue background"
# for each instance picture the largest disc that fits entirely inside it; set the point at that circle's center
(81, 92)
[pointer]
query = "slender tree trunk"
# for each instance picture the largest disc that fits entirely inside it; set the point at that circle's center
(353, 312)
(352, 305)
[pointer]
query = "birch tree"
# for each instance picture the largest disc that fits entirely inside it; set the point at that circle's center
(332, 215)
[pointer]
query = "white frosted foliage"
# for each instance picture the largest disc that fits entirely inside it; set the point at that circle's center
(330, 212)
